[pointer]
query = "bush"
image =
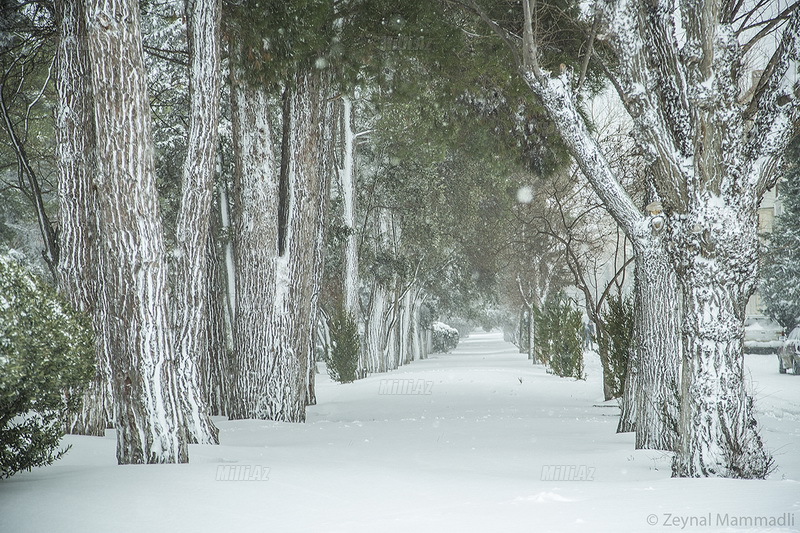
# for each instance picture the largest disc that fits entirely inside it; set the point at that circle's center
(46, 360)
(616, 343)
(445, 338)
(345, 345)
(558, 341)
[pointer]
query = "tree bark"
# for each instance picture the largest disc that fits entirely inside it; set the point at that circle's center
(194, 217)
(348, 183)
(277, 292)
(255, 237)
(715, 246)
(79, 251)
(214, 363)
(139, 334)
(656, 367)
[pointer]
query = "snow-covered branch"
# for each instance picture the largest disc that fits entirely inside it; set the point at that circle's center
(775, 111)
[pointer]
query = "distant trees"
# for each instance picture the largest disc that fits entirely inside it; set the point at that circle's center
(712, 153)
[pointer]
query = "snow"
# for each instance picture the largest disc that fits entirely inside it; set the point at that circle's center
(525, 195)
(467, 457)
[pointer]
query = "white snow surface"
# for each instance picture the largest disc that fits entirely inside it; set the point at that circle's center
(467, 457)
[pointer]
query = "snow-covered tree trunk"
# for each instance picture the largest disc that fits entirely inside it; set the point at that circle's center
(194, 217)
(372, 355)
(349, 191)
(656, 367)
(299, 263)
(415, 339)
(627, 416)
(326, 169)
(79, 250)
(255, 237)
(278, 251)
(214, 363)
(716, 246)
(139, 332)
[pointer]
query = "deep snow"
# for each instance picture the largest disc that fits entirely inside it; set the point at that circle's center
(467, 456)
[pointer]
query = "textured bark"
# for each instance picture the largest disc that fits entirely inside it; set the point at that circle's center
(277, 294)
(718, 432)
(255, 238)
(326, 169)
(139, 333)
(214, 362)
(79, 251)
(372, 355)
(194, 217)
(656, 369)
(627, 416)
(297, 288)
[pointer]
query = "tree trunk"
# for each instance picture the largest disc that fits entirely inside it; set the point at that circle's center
(214, 363)
(627, 417)
(326, 169)
(139, 334)
(349, 190)
(255, 237)
(719, 436)
(297, 288)
(278, 232)
(656, 382)
(194, 217)
(79, 250)
(372, 355)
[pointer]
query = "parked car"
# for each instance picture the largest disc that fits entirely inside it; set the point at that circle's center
(789, 353)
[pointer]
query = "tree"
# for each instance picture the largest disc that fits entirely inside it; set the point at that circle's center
(139, 332)
(79, 253)
(194, 218)
(780, 276)
(26, 61)
(45, 365)
(712, 159)
(280, 202)
(659, 349)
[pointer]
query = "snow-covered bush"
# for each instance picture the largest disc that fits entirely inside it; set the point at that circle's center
(46, 360)
(345, 344)
(445, 338)
(559, 342)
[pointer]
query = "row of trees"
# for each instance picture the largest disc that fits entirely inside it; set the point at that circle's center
(712, 153)
(384, 164)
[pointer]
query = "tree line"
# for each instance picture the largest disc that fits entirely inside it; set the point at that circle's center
(229, 177)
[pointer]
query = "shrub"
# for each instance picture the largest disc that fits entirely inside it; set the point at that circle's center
(616, 343)
(345, 345)
(559, 342)
(46, 360)
(445, 338)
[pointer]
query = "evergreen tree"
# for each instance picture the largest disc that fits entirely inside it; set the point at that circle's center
(46, 354)
(780, 275)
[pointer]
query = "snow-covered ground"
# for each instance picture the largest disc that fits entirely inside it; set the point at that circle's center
(467, 451)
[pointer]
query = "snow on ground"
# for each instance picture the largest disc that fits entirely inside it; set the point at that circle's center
(468, 456)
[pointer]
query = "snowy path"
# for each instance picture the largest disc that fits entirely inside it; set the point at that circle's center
(467, 457)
